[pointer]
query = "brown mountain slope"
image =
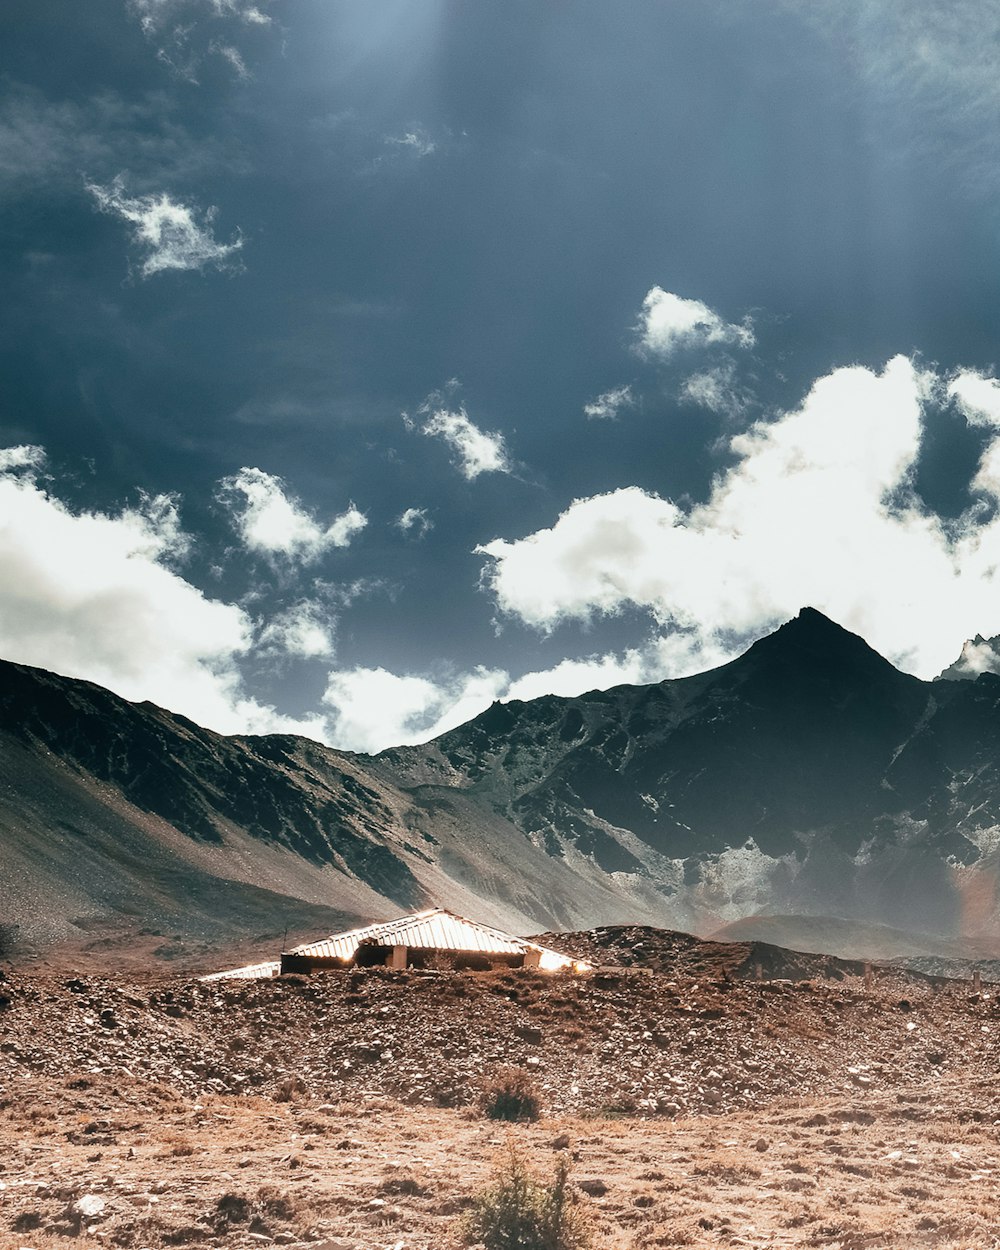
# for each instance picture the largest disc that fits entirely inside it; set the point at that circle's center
(121, 821)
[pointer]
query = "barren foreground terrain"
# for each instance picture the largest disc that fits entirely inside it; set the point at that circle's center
(697, 1108)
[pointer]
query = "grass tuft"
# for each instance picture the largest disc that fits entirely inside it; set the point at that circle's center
(510, 1094)
(519, 1212)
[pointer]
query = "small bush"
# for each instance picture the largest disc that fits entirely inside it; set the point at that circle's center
(518, 1212)
(510, 1094)
(289, 1089)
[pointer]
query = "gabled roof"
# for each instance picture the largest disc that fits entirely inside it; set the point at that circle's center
(435, 929)
(249, 972)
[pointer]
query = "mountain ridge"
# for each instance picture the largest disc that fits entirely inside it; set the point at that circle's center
(807, 776)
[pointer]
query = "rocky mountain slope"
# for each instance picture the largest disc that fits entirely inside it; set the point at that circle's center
(808, 778)
(127, 828)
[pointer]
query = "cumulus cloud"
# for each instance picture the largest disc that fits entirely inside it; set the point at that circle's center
(304, 631)
(166, 231)
(93, 595)
(415, 521)
(372, 708)
(274, 524)
(978, 397)
(669, 323)
(478, 451)
(819, 509)
(608, 404)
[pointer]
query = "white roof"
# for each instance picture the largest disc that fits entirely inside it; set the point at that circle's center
(435, 929)
(248, 972)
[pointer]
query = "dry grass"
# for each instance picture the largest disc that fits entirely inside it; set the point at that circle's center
(510, 1094)
(842, 1174)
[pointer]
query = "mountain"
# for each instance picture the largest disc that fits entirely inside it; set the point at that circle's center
(807, 778)
(128, 828)
(979, 655)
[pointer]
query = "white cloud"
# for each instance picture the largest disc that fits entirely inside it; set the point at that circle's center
(929, 72)
(572, 677)
(233, 57)
(47, 142)
(187, 32)
(716, 390)
(978, 397)
(155, 13)
(303, 631)
(91, 595)
(415, 521)
(25, 456)
(372, 709)
(167, 231)
(669, 323)
(478, 451)
(276, 525)
(415, 142)
(819, 510)
(608, 404)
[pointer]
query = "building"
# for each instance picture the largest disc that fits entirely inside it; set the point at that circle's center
(250, 972)
(431, 938)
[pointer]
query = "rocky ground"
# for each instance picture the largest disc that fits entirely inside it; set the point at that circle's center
(341, 1110)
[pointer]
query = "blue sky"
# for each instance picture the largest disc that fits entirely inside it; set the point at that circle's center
(363, 363)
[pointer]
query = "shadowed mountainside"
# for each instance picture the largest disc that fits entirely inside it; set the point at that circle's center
(807, 778)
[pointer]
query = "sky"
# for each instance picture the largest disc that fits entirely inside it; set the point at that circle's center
(362, 364)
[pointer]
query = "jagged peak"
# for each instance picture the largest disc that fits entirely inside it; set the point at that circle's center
(979, 655)
(815, 635)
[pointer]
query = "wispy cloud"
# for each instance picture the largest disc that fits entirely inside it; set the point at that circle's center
(276, 525)
(166, 231)
(47, 142)
(176, 27)
(414, 522)
(156, 13)
(233, 57)
(416, 142)
(929, 72)
(25, 456)
(670, 323)
(477, 451)
(717, 390)
(609, 404)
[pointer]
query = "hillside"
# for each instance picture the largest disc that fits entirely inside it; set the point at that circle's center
(807, 780)
(340, 1111)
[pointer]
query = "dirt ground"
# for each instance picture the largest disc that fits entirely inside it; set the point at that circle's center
(911, 1170)
(340, 1112)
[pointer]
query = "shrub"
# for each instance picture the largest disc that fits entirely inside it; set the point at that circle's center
(518, 1212)
(510, 1094)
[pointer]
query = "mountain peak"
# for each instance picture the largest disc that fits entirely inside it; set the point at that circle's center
(814, 636)
(811, 624)
(979, 655)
